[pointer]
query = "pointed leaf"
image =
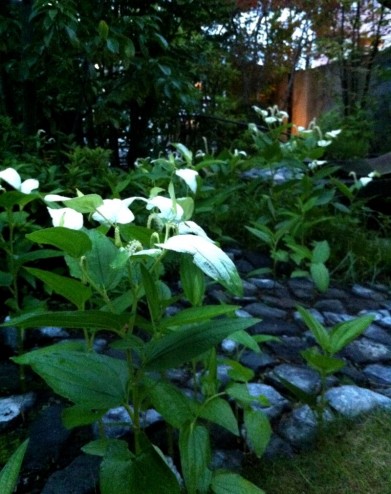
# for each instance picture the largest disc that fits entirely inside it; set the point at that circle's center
(124, 473)
(324, 364)
(320, 276)
(92, 319)
(72, 290)
(73, 242)
(321, 252)
(78, 415)
(181, 346)
(87, 379)
(10, 472)
(197, 314)
(233, 483)
(258, 430)
(218, 411)
(171, 403)
(320, 333)
(194, 448)
(344, 333)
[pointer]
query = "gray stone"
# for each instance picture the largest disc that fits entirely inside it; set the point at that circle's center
(48, 437)
(333, 318)
(368, 293)
(373, 332)
(288, 348)
(275, 403)
(302, 377)
(330, 305)
(366, 351)
(276, 327)
(262, 310)
(53, 332)
(13, 407)
(257, 361)
(300, 427)
(242, 313)
(229, 346)
(80, 477)
(278, 448)
(302, 288)
(116, 422)
(229, 459)
(379, 374)
(266, 283)
(350, 400)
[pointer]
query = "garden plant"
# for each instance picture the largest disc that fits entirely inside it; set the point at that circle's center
(120, 264)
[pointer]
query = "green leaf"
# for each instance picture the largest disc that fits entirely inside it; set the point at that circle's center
(197, 314)
(99, 262)
(258, 430)
(85, 203)
(321, 252)
(152, 295)
(91, 319)
(324, 364)
(73, 242)
(103, 30)
(72, 290)
(245, 339)
(87, 379)
(233, 483)
(124, 473)
(194, 448)
(13, 197)
(218, 411)
(344, 333)
(5, 278)
(180, 347)
(77, 416)
(171, 403)
(320, 333)
(320, 276)
(10, 472)
(238, 372)
(192, 281)
(209, 258)
(240, 393)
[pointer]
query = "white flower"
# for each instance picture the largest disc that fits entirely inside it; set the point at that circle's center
(12, 177)
(114, 211)
(332, 134)
(314, 164)
(281, 115)
(243, 154)
(323, 143)
(168, 211)
(66, 217)
(55, 198)
(365, 180)
(261, 112)
(188, 176)
(270, 120)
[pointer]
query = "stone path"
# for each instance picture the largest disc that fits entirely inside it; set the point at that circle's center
(362, 385)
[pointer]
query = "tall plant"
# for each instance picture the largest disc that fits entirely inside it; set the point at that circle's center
(115, 284)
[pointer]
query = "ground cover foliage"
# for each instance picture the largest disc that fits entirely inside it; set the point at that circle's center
(117, 239)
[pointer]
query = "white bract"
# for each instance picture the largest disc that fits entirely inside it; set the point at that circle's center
(208, 257)
(332, 134)
(365, 180)
(314, 164)
(66, 217)
(323, 143)
(169, 211)
(12, 177)
(114, 211)
(188, 176)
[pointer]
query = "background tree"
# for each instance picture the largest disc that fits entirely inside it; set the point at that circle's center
(104, 70)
